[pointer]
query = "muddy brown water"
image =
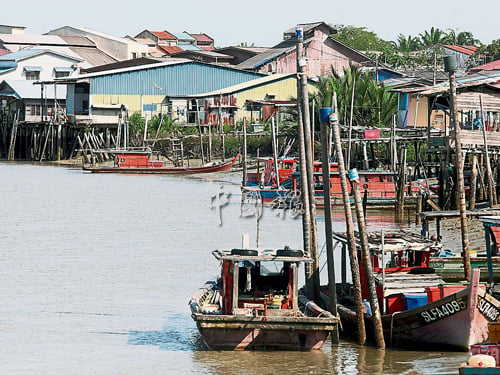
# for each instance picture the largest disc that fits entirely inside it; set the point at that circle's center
(96, 272)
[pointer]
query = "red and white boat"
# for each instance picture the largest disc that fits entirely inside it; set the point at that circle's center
(255, 304)
(139, 162)
(420, 310)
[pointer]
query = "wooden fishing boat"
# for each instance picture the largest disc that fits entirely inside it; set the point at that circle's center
(255, 304)
(449, 264)
(264, 174)
(420, 310)
(139, 162)
(379, 187)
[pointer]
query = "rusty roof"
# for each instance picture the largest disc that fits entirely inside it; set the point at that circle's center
(202, 37)
(493, 65)
(169, 50)
(164, 35)
(468, 50)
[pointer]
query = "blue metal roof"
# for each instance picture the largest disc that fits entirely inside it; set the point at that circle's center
(174, 80)
(21, 54)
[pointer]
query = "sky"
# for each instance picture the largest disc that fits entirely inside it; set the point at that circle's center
(257, 22)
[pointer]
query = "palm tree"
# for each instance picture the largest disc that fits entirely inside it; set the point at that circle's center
(407, 44)
(432, 37)
(373, 104)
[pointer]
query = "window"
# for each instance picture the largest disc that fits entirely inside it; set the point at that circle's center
(32, 76)
(61, 74)
(34, 110)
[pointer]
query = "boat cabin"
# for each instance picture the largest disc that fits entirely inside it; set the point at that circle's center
(400, 263)
(135, 159)
(265, 175)
(260, 284)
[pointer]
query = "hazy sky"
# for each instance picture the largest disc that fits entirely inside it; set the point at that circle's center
(259, 22)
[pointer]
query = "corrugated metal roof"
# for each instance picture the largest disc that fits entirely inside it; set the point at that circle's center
(183, 36)
(169, 50)
(163, 35)
(306, 27)
(493, 65)
(93, 56)
(471, 80)
(246, 85)
(202, 37)
(164, 79)
(268, 55)
(467, 50)
(34, 40)
(78, 41)
(28, 90)
(189, 47)
(23, 54)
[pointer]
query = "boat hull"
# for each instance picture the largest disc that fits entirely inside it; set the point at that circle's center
(220, 167)
(228, 332)
(456, 322)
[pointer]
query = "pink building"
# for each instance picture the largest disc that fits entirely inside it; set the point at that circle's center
(322, 53)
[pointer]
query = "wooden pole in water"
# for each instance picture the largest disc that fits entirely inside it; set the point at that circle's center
(351, 240)
(473, 183)
(450, 67)
(332, 288)
(400, 193)
(491, 182)
(245, 172)
(370, 278)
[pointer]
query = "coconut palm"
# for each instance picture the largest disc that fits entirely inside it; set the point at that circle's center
(407, 44)
(432, 37)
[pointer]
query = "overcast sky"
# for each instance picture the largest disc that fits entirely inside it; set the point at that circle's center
(259, 22)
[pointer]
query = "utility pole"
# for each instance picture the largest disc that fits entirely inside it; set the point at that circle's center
(324, 114)
(450, 66)
(306, 212)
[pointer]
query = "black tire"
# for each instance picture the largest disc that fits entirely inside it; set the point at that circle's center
(289, 253)
(422, 270)
(245, 252)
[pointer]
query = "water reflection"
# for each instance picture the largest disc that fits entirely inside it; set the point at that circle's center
(178, 334)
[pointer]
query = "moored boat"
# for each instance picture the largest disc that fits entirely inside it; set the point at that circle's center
(420, 310)
(139, 162)
(255, 304)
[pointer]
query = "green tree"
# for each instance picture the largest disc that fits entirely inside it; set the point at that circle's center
(432, 37)
(360, 38)
(373, 105)
(407, 44)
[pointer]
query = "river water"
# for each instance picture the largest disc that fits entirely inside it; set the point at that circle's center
(96, 272)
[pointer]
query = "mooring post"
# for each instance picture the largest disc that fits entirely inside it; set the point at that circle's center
(351, 240)
(450, 65)
(370, 278)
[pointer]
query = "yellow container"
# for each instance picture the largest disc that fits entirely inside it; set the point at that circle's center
(494, 332)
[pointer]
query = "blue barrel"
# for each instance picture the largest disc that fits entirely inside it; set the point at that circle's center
(299, 33)
(324, 113)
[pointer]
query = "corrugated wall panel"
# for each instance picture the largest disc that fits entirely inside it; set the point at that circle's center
(182, 79)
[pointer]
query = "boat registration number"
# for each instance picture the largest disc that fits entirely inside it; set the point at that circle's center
(443, 311)
(489, 311)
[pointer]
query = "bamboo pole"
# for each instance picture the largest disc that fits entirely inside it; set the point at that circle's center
(370, 278)
(351, 241)
(310, 178)
(492, 196)
(245, 171)
(459, 165)
(473, 183)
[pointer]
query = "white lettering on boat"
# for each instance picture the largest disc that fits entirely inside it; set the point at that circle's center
(443, 311)
(489, 311)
